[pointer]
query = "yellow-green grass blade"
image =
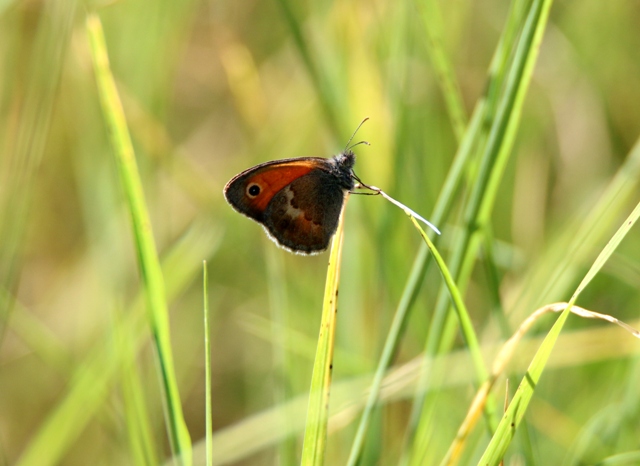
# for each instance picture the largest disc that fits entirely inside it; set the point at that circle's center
(629, 458)
(504, 356)
(315, 435)
(573, 248)
(472, 139)
(518, 406)
(93, 378)
(207, 367)
(389, 348)
(324, 90)
(508, 103)
(143, 448)
(433, 25)
(145, 245)
(263, 430)
(500, 141)
(464, 319)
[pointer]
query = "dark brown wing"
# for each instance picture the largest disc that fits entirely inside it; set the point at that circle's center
(304, 215)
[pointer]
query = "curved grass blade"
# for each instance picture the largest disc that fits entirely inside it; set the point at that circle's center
(458, 303)
(623, 459)
(508, 94)
(501, 360)
(467, 331)
(512, 418)
(145, 245)
(471, 140)
(264, 430)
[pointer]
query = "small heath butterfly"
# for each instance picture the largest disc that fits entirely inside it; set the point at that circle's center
(298, 201)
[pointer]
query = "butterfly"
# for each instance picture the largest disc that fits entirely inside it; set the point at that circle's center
(298, 201)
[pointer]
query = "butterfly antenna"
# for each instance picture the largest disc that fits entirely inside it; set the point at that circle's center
(347, 147)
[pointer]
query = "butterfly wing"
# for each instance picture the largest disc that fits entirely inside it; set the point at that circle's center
(298, 201)
(266, 180)
(304, 215)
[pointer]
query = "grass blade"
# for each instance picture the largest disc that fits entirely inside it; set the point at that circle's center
(139, 428)
(508, 96)
(207, 367)
(468, 332)
(471, 140)
(324, 90)
(145, 245)
(93, 377)
(315, 435)
(430, 13)
(512, 418)
(518, 406)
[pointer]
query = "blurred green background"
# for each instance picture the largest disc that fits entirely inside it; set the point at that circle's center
(212, 88)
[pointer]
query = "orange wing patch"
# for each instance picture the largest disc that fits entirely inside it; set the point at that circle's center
(272, 179)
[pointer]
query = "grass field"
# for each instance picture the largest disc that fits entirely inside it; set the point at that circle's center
(513, 127)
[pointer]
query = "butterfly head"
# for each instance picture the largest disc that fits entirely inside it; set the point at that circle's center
(342, 167)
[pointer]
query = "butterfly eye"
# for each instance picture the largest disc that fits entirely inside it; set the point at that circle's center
(253, 190)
